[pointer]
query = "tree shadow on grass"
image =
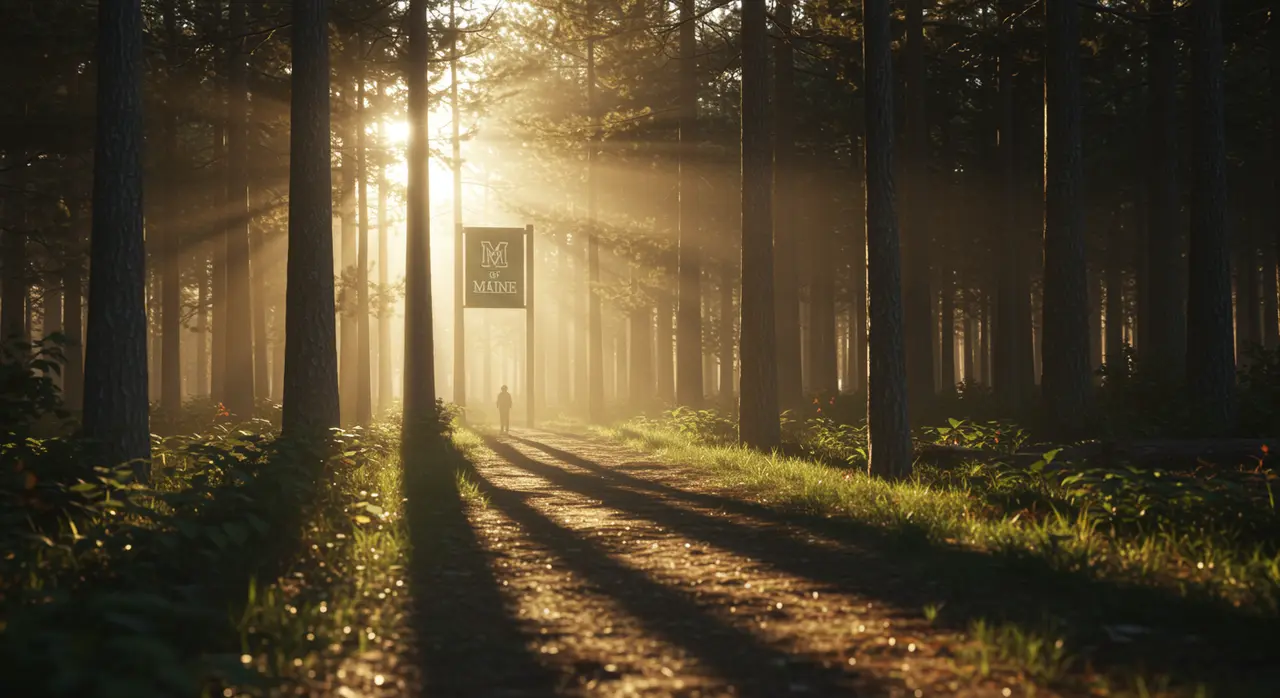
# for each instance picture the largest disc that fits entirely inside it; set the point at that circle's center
(751, 666)
(1125, 628)
(468, 639)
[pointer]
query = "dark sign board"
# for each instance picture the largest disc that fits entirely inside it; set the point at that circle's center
(495, 267)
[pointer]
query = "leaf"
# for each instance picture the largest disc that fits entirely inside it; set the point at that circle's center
(362, 519)
(953, 422)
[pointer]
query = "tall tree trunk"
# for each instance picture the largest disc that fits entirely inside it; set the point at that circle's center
(218, 268)
(1013, 352)
(1114, 341)
(665, 346)
(947, 306)
(170, 243)
(384, 257)
(1095, 321)
(858, 277)
(890, 436)
(1166, 324)
(73, 308)
(787, 229)
(459, 316)
(13, 295)
(419, 347)
(758, 424)
(688, 363)
(1065, 333)
(115, 406)
(202, 323)
(348, 349)
(595, 339)
(239, 313)
(727, 282)
(971, 345)
(640, 352)
(1210, 368)
(1273, 51)
(311, 361)
(917, 307)
(364, 369)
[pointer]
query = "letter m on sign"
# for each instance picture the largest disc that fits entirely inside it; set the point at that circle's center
(494, 255)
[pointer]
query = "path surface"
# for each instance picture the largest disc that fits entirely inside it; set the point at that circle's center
(591, 571)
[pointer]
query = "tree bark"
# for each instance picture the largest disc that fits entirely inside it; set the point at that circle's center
(384, 256)
(311, 361)
(890, 436)
(1013, 350)
(1210, 365)
(1065, 325)
(116, 406)
(758, 424)
(419, 347)
(688, 363)
(170, 243)
(348, 347)
(727, 282)
(595, 338)
(1166, 331)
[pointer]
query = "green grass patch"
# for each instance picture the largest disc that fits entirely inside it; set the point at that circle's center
(1044, 572)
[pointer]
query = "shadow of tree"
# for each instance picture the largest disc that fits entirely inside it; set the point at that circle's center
(468, 640)
(1188, 638)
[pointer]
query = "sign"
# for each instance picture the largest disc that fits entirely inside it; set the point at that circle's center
(495, 273)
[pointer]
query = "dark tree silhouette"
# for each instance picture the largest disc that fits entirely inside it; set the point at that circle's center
(170, 247)
(758, 392)
(1166, 324)
(364, 369)
(419, 345)
(1210, 354)
(1067, 382)
(917, 302)
(311, 352)
(115, 390)
(890, 436)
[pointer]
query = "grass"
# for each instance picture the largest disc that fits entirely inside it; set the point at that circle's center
(1179, 573)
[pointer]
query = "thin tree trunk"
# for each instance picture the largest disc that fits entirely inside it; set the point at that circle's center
(364, 371)
(947, 307)
(348, 346)
(688, 364)
(971, 346)
(889, 449)
(115, 406)
(218, 257)
(73, 309)
(419, 348)
(666, 350)
(202, 324)
(917, 307)
(1210, 368)
(821, 348)
(758, 424)
(595, 339)
(1270, 330)
(1114, 342)
(640, 362)
(459, 316)
(727, 282)
(787, 229)
(311, 361)
(384, 257)
(238, 334)
(170, 244)
(1095, 321)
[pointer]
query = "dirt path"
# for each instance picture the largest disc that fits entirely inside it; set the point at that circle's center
(593, 572)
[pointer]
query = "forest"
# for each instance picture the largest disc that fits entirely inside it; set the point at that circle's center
(639, 347)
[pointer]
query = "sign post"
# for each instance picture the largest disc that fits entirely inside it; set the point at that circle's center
(499, 274)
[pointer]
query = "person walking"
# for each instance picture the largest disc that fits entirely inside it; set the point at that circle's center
(504, 410)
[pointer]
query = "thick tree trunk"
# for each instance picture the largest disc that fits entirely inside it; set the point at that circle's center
(238, 334)
(890, 436)
(311, 362)
(419, 347)
(1065, 326)
(1013, 352)
(1210, 365)
(1273, 51)
(688, 365)
(115, 405)
(1166, 323)
(758, 424)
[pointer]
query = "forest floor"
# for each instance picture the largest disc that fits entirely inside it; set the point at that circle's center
(581, 567)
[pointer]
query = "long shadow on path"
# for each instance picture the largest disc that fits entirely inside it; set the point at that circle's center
(469, 642)
(1192, 640)
(732, 653)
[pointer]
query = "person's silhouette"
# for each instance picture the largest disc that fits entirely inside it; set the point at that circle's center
(504, 410)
